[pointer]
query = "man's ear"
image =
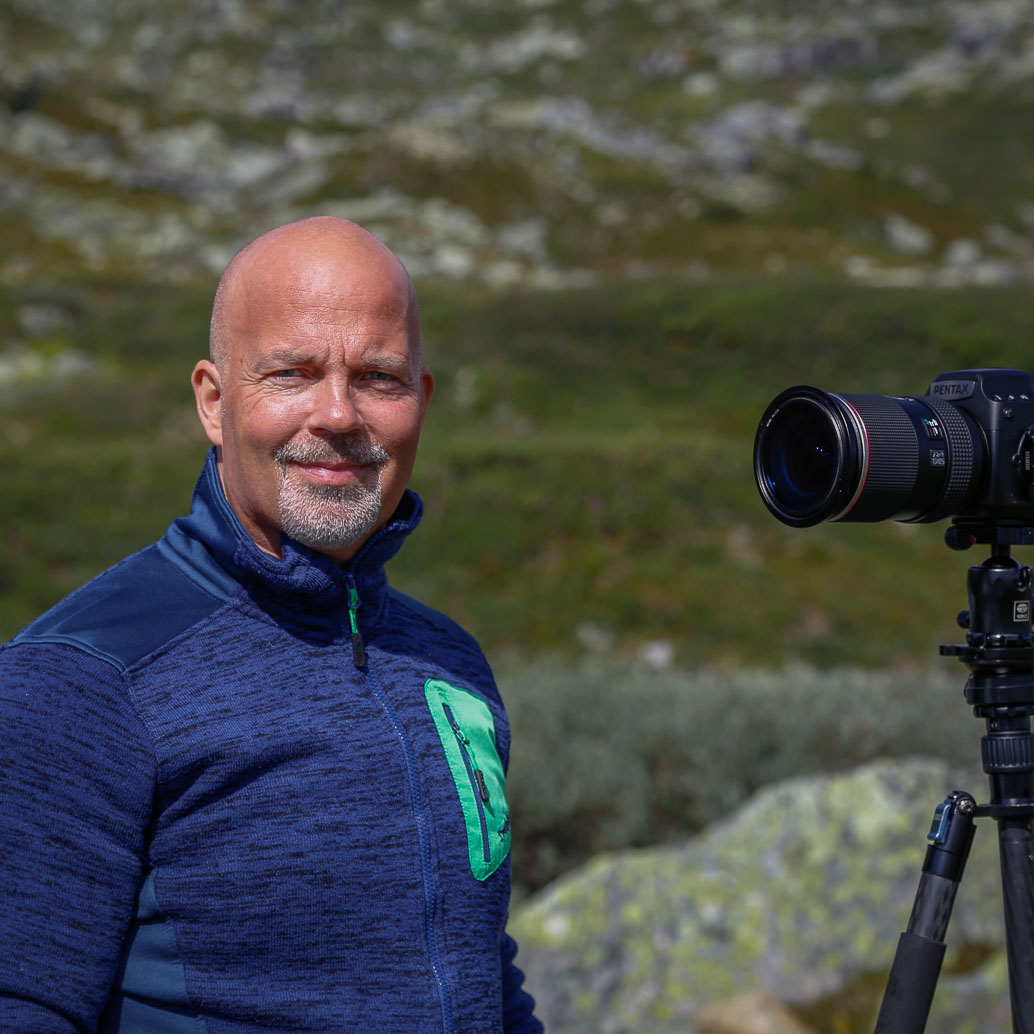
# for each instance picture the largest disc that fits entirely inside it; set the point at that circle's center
(208, 394)
(426, 391)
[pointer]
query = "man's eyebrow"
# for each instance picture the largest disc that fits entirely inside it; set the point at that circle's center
(286, 358)
(387, 361)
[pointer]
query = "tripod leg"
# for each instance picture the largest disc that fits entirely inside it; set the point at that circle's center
(917, 962)
(1016, 846)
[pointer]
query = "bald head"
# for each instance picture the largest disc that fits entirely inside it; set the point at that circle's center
(293, 255)
(316, 391)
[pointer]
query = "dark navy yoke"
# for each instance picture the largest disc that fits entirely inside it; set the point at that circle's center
(230, 802)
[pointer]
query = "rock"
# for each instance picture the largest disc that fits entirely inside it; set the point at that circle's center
(907, 237)
(963, 253)
(532, 43)
(834, 156)
(815, 53)
(731, 140)
(752, 1013)
(800, 895)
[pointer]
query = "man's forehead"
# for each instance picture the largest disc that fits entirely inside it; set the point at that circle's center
(325, 335)
(288, 283)
(325, 292)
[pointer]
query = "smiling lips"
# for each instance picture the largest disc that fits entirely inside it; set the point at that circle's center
(331, 473)
(344, 466)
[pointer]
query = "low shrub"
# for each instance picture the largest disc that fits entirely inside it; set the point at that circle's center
(613, 754)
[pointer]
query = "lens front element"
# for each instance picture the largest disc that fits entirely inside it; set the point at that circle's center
(800, 459)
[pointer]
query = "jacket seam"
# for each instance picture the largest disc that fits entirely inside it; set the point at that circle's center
(159, 651)
(73, 642)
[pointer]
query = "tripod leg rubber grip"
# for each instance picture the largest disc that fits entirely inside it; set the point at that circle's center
(911, 985)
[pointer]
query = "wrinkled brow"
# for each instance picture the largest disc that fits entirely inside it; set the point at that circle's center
(287, 357)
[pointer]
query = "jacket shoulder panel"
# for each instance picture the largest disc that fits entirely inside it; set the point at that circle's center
(125, 612)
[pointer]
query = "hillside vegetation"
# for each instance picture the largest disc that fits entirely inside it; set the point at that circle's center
(632, 223)
(539, 142)
(586, 466)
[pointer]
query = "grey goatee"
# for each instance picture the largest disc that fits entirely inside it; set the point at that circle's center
(329, 518)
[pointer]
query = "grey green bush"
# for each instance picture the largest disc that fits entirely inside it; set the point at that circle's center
(611, 753)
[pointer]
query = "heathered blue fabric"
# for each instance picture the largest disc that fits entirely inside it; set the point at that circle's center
(212, 820)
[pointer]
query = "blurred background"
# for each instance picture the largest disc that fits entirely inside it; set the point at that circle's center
(631, 223)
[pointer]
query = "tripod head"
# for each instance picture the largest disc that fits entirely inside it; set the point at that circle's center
(999, 650)
(999, 653)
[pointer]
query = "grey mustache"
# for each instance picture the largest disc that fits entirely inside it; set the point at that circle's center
(358, 451)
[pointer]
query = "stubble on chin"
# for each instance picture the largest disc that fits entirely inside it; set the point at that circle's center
(329, 518)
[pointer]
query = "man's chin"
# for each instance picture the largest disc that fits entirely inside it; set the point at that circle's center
(330, 529)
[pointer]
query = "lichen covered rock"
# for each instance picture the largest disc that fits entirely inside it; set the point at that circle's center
(801, 895)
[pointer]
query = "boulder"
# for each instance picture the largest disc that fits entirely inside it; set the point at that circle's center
(751, 1013)
(799, 897)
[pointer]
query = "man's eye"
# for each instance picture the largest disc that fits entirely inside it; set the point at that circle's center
(380, 375)
(287, 374)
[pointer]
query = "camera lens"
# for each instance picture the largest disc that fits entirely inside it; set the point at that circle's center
(819, 456)
(801, 457)
(805, 457)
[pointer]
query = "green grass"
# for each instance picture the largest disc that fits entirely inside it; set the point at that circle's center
(586, 465)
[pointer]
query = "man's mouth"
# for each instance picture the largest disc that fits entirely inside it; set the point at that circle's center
(345, 467)
(332, 473)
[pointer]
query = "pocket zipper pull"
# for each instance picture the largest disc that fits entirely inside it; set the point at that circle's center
(478, 775)
(482, 785)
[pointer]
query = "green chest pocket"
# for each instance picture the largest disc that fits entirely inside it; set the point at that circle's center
(467, 732)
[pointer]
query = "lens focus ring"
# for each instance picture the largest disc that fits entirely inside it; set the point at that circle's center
(892, 443)
(960, 451)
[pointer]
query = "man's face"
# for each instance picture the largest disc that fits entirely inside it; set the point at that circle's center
(322, 396)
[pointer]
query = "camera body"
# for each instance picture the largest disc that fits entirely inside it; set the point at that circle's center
(1001, 405)
(963, 450)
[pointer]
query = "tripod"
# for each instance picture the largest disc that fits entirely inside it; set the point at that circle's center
(999, 653)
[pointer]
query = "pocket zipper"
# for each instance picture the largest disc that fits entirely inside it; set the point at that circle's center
(477, 781)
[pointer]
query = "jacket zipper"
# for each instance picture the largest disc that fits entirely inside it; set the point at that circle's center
(358, 650)
(477, 781)
(359, 657)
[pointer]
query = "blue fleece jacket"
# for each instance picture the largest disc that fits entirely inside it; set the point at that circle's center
(247, 794)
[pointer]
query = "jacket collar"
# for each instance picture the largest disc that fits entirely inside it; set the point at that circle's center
(222, 555)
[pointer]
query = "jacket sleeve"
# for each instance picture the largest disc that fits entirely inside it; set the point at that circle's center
(518, 1005)
(76, 790)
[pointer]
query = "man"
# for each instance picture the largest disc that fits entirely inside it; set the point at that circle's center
(244, 785)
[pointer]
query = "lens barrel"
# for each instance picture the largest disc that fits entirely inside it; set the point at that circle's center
(820, 456)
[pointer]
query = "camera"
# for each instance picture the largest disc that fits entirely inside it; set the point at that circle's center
(963, 450)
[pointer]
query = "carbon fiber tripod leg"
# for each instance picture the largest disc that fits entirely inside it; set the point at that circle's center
(917, 962)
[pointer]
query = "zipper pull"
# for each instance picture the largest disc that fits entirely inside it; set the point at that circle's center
(358, 650)
(455, 725)
(478, 775)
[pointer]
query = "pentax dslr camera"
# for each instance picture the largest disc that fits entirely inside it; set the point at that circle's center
(963, 450)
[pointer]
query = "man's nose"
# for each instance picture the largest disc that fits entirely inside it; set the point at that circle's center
(333, 410)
